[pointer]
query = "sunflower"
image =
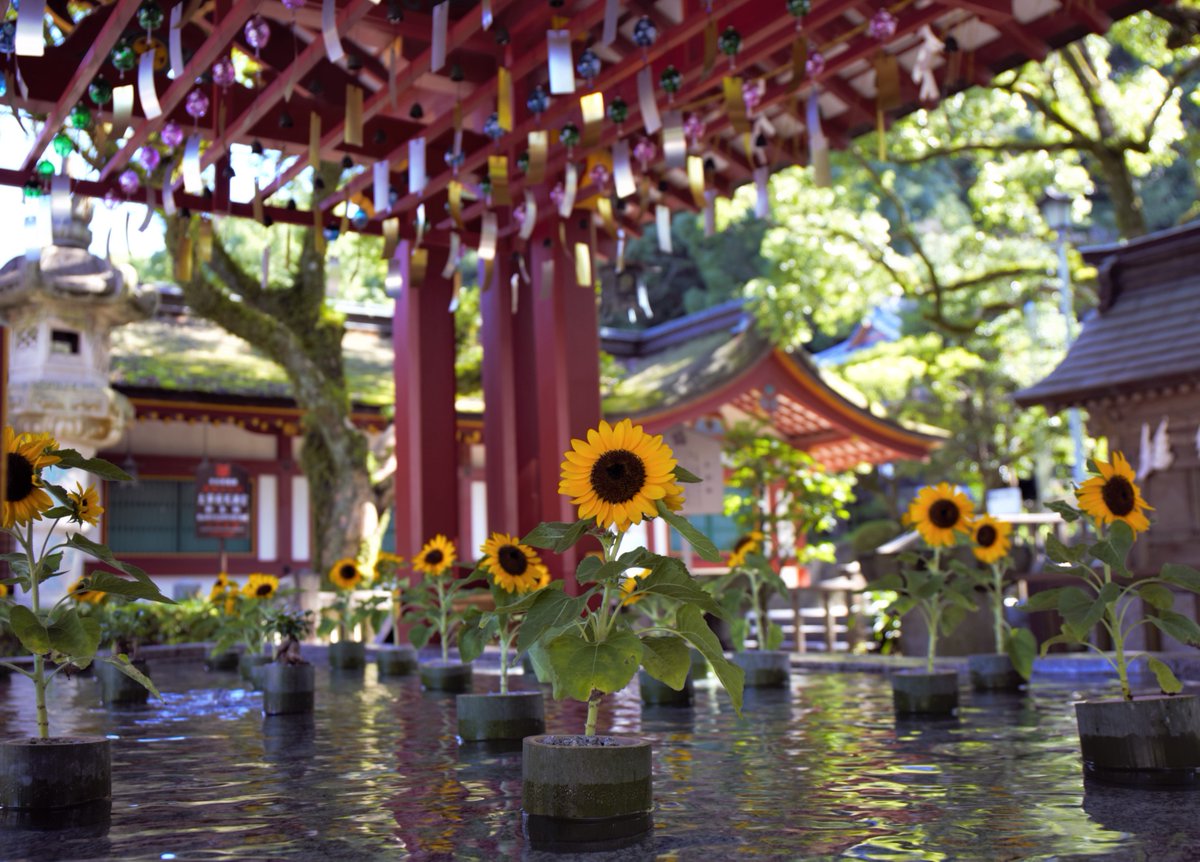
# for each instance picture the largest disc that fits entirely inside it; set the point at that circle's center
(674, 499)
(751, 543)
(24, 499)
(990, 539)
(939, 512)
(79, 592)
(436, 557)
(260, 586)
(3, 591)
(629, 583)
(345, 574)
(515, 568)
(387, 565)
(1112, 495)
(618, 474)
(86, 503)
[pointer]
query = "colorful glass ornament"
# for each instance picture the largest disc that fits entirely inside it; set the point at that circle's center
(557, 195)
(693, 128)
(196, 104)
(123, 56)
(100, 92)
(599, 175)
(360, 219)
(729, 42)
(223, 73)
(588, 65)
(81, 116)
(110, 199)
(293, 5)
(32, 190)
(8, 37)
(645, 32)
(45, 167)
(485, 186)
(519, 215)
(538, 101)
(62, 144)
(568, 135)
(171, 134)
(129, 182)
(454, 160)
(331, 233)
(523, 161)
(815, 64)
(618, 110)
(752, 93)
(799, 8)
(645, 151)
(149, 158)
(150, 16)
(882, 26)
(492, 128)
(3, 85)
(258, 33)
(671, 79)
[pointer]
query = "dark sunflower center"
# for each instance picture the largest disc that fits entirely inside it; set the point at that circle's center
(1118, 495)
(512, 560)
(618, 475)
(346, 573)
(20, 478)
(986, 536)
(742, 542)
(944, 514)
(263, 590)
(433, 558)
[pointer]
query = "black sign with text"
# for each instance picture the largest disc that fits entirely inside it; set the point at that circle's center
(222, 501)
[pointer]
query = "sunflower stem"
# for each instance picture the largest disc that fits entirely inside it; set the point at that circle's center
(442, 621)
(505, 640)
(758, 612)
(39, 662)
(593, 713)
(998, 606)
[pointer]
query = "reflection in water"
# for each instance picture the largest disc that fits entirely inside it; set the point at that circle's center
(820, 769)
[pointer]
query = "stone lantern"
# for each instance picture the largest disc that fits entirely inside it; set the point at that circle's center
(59, 305)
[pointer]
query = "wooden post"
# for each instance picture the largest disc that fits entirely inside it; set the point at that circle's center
(504, 396)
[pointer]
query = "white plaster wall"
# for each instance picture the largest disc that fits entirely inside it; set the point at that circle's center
(300, 519)
(268, 509)
(183, 439)
(478, 532)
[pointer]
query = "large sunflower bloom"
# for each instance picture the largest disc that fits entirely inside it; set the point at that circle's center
(260, 586)
(618, 474)
(436, 557)
(86, 503)
(939, 512)
(1114, 496)
(990, 539)
(515, 568)
(24, 498)
(80, 593)
(751, 543)
(345, 574)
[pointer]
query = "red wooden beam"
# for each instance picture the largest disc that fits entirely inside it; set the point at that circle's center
(122, 13)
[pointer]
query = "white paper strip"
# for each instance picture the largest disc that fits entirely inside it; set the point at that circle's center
(266, 265)
(175, 40)
(612, 12)
(762, 203)
(329, 31)
(29, 40)
(673, 140)
(144, 226)
(122, 109)
(562, 64)
(146, 91)
(514, 291)
(620, 265)
(452, 257)
(421, 224)
(487, 238)
(485, 11)
(530, 222)
(441, 21)
(623, 179)
(662, 224)
(710, 213)
(416, 166)
(169, 196)
(60, 199)
(380, 171)
(570, 187)
(393, 282)
(650, 116)
(192, 184)
(23, 89)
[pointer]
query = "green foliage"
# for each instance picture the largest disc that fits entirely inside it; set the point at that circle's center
(429, 608)
(748, 587)
(345, 614)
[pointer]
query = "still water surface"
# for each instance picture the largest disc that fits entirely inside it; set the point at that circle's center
(818, 771)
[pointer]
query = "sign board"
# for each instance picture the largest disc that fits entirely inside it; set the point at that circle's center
(222, 501)
(701, 454)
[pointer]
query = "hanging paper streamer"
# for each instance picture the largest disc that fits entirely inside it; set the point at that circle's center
(674, 140)
(60, 200)
(352, 130)
(454, 194)
(662, 225)
(393, 282)
(256, 203)
(175, 41)
(418, 263)
(643, 298)
(650, 116)
(150, 105)
(329, 31)
(395, 53)
(583, 264)
(168, 191)
(452, 256)
(623, 179)
(487, 247)
(887, 94)
(183, 259)
(504, 99)
(437, 51)
(592, 108)
(927, 55)
(122, 109)
(762, 202)
(530, 220)
(619, 266)
(391, 237)
(29, 40)
(266, 266)
(539, 149)
(486, 16)
(710, 45)
(416, 166)
(498, 174)
(710, 213)
(818, 144)
(192, 184)
(799, 61)
(380, 176)
(570, 188)
(314, 140)
(604, 209)
(318, 231)
(695, 172)
(735, 105)
(562, 64)
(204, 240)
(612, 14)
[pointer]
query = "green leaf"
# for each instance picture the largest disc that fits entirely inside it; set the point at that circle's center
(682, 475)
(74, 635)
(1183, 628)
(1044, 600)
(525, 602)
(95, 466)
(1060, 553)
(542, 668)
(1068, 512)
(29, 630)
(666, 658)
(670, 579)
(118, 586)
(689, 622)
(1021, 647)
(1109, 554)
(475, 633)
(1121, 537)
(57, 512)
(700, 543)
(891, 582)
(102, 553)
(739, 630)
(774, 636)
(585, 572)
(553, 611)
(581, 667)
(419, 635)
(1181, 576)
(1167, 681)
(1083, 611)
(122, 663)
(1157, 596)
(1066, 636)
(549, 533)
